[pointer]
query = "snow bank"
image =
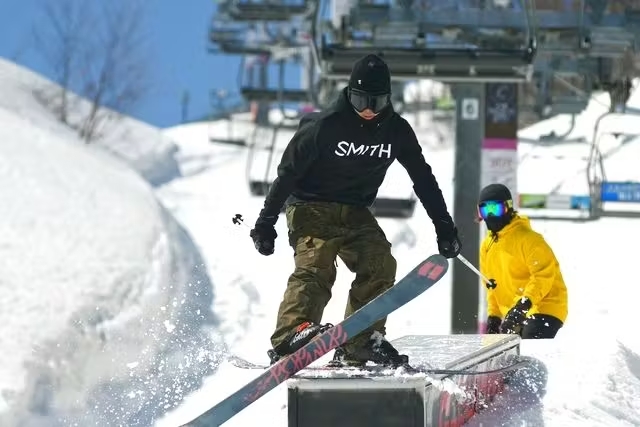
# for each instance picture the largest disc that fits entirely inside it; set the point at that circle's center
(600, 387)
(105, 306)
(142, 146)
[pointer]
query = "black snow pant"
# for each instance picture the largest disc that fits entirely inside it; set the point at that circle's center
(540, 326)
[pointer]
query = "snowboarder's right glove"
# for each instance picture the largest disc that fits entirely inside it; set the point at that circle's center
(449, 244)
(514, 318)
(264, 237)
(493, 324)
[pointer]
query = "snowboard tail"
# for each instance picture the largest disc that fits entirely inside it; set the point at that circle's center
(418, 280)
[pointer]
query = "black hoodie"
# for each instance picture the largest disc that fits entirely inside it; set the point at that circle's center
(336, 156)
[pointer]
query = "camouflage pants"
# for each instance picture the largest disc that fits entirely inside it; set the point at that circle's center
(319, 232)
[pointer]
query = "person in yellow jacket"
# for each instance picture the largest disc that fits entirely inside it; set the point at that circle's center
(527, 294)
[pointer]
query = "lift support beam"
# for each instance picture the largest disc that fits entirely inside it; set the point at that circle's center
(448, 65)
(275, 95)
(496, 19)
(266, 11)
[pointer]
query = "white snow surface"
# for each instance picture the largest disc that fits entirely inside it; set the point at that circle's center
(112, 313)
(105, 309)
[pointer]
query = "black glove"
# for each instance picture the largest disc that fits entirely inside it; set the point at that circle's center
(449, 244)
(514, 318)
(493, 324)
(264, 236)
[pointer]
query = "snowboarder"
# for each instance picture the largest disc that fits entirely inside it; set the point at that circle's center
(328, 177)
(530, 296)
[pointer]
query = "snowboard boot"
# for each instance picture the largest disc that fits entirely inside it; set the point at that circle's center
(304, 333)
(377, 350)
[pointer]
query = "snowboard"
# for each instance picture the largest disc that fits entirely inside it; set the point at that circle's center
(418, 280)
(513, 365)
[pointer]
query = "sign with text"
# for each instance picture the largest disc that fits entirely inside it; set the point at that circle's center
(500, 163)
(501, 106)
(500, 145)
(620, 192)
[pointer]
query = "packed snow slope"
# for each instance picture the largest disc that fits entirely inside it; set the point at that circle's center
(589, 375)
(105, 306)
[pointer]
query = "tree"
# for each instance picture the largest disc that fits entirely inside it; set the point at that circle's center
(99, 51)
(115, 69)
(58, 38)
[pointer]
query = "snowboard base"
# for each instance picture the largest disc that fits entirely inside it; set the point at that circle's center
(378, 370)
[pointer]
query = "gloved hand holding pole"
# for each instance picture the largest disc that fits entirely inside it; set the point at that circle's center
(489, 283)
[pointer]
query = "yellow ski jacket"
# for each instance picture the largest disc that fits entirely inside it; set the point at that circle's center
(522, 264)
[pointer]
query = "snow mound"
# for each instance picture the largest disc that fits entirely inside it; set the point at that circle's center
(601, 387)
(105, 314)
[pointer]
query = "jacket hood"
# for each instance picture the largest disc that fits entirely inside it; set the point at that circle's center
(516, 221)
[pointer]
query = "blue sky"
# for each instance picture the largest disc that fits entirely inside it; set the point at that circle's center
(180, 58)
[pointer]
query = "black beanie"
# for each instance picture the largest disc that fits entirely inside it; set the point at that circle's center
(371, 74)
(495, 192)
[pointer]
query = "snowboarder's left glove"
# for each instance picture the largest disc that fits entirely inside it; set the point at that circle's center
(514, 318)
(264, 236)
(449, 244)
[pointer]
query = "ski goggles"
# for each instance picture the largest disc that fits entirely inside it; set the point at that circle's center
(362, 100)
(494, 208)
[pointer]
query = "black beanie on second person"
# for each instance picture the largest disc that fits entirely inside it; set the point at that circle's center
(499, 193)
(371, 75)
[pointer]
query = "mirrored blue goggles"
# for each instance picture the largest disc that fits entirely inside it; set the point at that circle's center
(361, 101)
(494, 208)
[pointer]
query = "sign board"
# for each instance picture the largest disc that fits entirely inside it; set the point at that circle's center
(533, 201)
(620, 192)
(500, 163)
(470, 109)
(554, 201)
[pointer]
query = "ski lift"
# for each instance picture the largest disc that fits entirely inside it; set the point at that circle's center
(276, 11)
(229, 37)
(461, 44)
(218, 98)
(281, 94)
(260, 173)
(623, 194)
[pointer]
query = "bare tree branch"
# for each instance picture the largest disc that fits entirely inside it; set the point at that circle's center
(99, 51)
(58, 39)
(116, 67)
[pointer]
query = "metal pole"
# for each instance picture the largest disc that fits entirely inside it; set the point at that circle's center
(473, 268)
(470, 106)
